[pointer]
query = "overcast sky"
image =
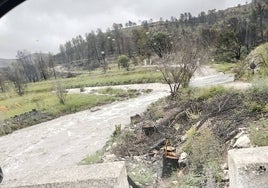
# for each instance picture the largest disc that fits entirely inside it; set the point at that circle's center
(42, 25)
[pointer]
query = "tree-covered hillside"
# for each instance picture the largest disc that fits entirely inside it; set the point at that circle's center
(228, 35)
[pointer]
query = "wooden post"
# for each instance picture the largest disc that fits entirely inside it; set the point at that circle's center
(170, 164)
(148, 130)
(170, 160)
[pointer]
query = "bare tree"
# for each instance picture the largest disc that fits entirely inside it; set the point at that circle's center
(60, 91)
(51, 65)
(16, 76)
(179, 64)
(42, 66)
(259, 7)
(29, 69)
(2, 81)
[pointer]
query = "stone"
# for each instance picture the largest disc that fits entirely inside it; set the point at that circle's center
(183, 160)
(242, 142)
(183, 138)
(224, 166)
(109, 158)
(225, 176)
(239, 135)
(183, 156)
(248, 167)
(243, 129)
(108, 148)
(135, 119)
(114, 145)
(137, 158)
(108, 175)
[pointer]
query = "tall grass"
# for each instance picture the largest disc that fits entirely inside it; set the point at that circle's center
(48, 103)
(40, 95)
(224, 66)
(110, 78)
(260, 85)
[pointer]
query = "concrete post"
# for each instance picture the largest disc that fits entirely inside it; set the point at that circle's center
(248, 168)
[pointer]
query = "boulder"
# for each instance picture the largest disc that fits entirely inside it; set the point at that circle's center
(183, 160)
(242, 142)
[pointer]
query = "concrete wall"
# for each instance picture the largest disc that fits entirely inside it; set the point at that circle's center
(108, 175)
(248, 168)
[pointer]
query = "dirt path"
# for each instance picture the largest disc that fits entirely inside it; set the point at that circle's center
(65, 141)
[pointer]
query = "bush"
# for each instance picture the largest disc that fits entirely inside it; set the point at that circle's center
(206, 93)
(117, 130)
(259, 133)
(135, 61)
(61, 92)
(204, 151)
(255, 107)
(123, 61)
(82, 89)
(93, 158)
(141, 174)
(260, 85)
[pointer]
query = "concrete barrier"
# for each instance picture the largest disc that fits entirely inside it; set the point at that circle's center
(108, 175)
(248, 168)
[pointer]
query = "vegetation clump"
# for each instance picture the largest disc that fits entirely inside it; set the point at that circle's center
(202, 126)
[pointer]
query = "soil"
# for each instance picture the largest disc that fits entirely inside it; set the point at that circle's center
(23, 120)
(67, 140)
(225, 114)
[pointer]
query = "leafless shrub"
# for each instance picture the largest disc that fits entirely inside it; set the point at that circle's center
(61, 92)
(178, 66)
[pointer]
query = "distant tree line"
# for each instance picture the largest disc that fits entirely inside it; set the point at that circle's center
(27, 68)
(230, 34)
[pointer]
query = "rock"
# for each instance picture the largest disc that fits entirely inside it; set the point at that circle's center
(135, 119)
(183, 138)
(248, 167)
(242, 142)
(137, 158)
(183, 160)
(108, 148)
(225, 176)
(239, 135)
(95, 109)
(114, 144)
(243, 129)
(122, 159)
(138, 184)
(177, 126)
(224, 166)
(109, 158)
(183, 156)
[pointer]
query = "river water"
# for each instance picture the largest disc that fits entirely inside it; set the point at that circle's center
(65, 141)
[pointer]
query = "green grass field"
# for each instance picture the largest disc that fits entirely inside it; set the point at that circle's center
(223, 66)
(40, 96)
(97, 78)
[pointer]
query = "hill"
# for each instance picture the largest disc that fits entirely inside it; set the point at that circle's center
(6, 62)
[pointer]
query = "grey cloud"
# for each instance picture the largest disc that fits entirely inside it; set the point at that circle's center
(44, 24)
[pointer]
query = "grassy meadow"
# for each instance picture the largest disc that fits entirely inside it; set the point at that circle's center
(40, 95)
